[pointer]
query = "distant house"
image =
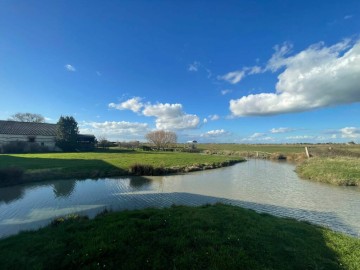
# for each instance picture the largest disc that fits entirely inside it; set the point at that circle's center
(191, 144)
(42, 134)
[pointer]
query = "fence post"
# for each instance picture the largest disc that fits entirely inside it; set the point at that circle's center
(307, 152)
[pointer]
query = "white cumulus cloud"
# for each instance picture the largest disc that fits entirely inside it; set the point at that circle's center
(70, 68)
(133, 104)
(171, 116)
(167, 116)
(317, 77)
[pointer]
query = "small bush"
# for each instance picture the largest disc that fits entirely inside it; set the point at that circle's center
(68, 218)
(145, 169)
(141, 169)
(16, 147)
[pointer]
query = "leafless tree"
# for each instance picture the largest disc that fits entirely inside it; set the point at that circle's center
(103, 142)
(27, 117)
(161, 138)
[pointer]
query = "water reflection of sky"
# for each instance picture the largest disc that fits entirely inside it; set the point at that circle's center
(261, 185)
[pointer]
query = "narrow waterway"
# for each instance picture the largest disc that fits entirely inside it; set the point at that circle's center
(264, 186)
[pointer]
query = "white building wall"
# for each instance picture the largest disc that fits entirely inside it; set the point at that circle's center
(48, 141)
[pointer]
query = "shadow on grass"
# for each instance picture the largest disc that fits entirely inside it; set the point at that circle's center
(39, 169)
(262, 240)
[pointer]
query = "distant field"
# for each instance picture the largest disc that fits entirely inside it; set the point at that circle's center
(270, 148)
(278, 148)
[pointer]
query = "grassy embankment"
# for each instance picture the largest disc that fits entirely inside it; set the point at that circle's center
(342, 171)
(334, 164)
(39, 167)
(208, 237)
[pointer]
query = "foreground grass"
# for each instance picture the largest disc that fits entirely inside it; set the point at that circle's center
(208, 237)
(335, 170)
(98, 164)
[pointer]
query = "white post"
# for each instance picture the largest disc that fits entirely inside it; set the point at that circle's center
(307, 152)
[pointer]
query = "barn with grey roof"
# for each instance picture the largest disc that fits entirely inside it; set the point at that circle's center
(43, 134)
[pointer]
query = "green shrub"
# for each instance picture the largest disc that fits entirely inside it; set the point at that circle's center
(145, 169)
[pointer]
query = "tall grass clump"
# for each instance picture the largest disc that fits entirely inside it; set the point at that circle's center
(342, 171)
(145, 169)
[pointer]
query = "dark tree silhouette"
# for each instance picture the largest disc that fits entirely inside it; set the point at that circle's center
(67, 133)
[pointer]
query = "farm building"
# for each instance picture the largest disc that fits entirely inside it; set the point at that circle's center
(33, 134)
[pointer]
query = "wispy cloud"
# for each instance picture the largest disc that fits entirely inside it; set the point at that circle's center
(233, 77)
(194, 67)
(214, 117)
(226, 91)
(69, 67)
(116, 130)
(300, 137)
(98, 73)
(214, 133)
(197, 66)
(236, 76)
(350, 132)
(281, 130)
(348, 17)
(258, 137)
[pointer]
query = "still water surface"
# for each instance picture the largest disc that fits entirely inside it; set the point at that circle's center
(261, 185)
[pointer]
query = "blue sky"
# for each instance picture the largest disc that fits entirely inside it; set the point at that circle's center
(213, 71)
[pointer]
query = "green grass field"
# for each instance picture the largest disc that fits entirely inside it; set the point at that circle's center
(99, 164)
(333, 170)
(208, 237)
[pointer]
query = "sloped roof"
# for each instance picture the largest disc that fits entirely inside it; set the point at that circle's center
(26, 128)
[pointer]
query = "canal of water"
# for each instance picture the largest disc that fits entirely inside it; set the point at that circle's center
(264, 186)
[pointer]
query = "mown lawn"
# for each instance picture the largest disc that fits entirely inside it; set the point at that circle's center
(208, 237)
(333, 170)
(98, 164)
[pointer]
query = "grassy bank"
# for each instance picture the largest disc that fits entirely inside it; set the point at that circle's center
(209, 237)
(333, 170)
(38, 167)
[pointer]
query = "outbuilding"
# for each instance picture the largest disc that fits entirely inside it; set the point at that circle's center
(33, 135)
